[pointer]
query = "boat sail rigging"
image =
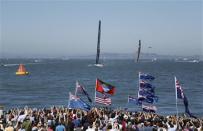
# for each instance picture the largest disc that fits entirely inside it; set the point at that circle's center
(98, 64)
(138, 52)
(21, 70)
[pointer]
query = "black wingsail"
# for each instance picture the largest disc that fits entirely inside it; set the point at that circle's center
(98, 43)
(138, 52)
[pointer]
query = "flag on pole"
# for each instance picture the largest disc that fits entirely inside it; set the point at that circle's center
(103, 99)
(132, 100)
(80, 89)
(146, 85)
(180, 95)
(145, 99)
(144, 76)
(76, 103)
(179, 90)
(185, 101)
(146, 93)
(104, 87)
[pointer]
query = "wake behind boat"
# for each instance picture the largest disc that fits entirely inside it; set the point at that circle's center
(7, 65)
(99, 65)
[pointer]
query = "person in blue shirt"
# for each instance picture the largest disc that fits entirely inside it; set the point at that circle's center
(77, 121)
(60, 127)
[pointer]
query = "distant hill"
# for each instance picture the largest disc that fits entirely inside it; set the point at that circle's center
(143, 56)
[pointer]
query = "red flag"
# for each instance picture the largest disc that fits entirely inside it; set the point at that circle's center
(104, 87)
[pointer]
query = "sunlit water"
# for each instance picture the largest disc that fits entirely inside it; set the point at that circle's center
(50, 81)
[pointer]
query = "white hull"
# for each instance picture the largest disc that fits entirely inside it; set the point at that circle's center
(99, 65)
(192, 61)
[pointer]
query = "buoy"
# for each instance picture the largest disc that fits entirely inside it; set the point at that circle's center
(21, 70)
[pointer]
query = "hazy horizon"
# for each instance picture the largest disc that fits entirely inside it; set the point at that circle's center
(69, 28)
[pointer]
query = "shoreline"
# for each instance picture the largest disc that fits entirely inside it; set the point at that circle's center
(130, 109)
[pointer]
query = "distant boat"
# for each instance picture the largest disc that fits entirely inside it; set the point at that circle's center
(138, 52)
(37, 61)
(194, 61)
(5, 65)
(187, 60)
(154, 59)
(98, 64)
(21, 70)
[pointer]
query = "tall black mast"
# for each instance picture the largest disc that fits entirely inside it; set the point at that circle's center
(138, 52)
(98, 43)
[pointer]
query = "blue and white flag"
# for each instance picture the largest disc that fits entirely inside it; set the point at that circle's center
(132, 100)
(80, 89)
(146, 93)
(146, 85)
(144, 76)
(145, 99)
(76, 103)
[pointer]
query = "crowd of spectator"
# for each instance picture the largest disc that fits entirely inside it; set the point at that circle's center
(97, 119)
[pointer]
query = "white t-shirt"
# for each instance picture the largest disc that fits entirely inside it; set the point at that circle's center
(171, 128)
(21, 117)
(90, 129)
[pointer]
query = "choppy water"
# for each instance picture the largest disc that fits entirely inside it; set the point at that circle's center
(50, 81)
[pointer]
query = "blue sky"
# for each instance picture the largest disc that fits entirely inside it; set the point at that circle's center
(63, 28)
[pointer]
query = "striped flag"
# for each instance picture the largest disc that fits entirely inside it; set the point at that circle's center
(103, 100)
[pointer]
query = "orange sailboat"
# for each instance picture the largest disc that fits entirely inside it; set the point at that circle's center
(21, 70)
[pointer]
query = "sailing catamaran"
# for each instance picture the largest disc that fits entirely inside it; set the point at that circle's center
(98, 64)
(138, 52)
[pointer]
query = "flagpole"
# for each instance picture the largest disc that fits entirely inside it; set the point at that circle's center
(138, 84)
(138, 97)
(69, 101)
(76, 88)
(176, 102)
(95, 92)
(139, 87)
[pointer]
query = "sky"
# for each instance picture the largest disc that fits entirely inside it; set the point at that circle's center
(69, 27)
